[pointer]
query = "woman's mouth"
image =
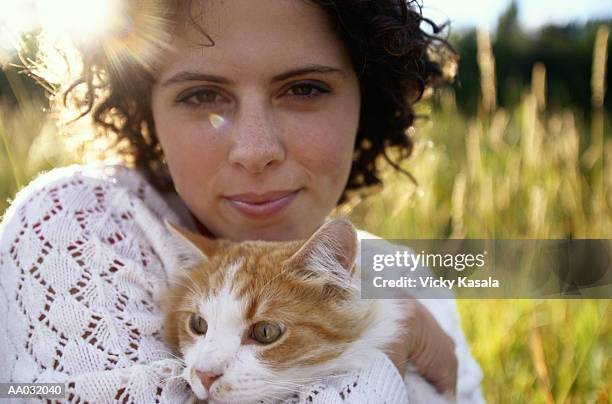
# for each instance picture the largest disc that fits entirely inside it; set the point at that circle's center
(262, 205)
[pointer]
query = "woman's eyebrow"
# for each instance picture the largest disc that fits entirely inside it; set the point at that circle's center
(306, 70)
(197, 76)
(183, 76)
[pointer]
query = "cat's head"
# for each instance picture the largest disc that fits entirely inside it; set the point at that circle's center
(255, 320)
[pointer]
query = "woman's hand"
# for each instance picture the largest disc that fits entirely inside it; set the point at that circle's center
(427, 347)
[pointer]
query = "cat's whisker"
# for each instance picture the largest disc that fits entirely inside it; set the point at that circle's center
(305, 379)
(262, 289)
(194, 287)
(188, 282)
(282, 393)
(267, 400)
(169, 378)
(313, 379)
(175, 296)
(285, 381)
(291, 388)
(278, 387)
(274, 398)
(292, 385)
(184, 283)
(177, 361)
(173, 356)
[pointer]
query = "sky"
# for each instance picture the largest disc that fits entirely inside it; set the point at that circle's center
(532, 13)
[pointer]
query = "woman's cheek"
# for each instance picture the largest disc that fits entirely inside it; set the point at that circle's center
(191, 152)
(187, 136)
(336, 152)
(326, 156)
(327, 139)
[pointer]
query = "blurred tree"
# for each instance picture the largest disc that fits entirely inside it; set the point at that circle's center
(566, 52)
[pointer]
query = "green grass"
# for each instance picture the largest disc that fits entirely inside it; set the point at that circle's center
(28, 146)
(519, 173)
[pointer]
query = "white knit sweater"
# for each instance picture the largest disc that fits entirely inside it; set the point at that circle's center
(78, 277)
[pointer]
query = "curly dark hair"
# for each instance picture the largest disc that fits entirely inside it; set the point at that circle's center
(394, 58)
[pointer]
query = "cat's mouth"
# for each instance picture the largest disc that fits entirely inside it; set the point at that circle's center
(262, 205)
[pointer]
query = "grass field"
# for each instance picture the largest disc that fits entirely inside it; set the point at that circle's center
(524, 172)
(477, 179)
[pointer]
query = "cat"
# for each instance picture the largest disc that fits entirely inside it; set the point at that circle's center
(254, 320)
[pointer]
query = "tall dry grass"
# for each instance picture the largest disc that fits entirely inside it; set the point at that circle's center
(28, 146)
(522, 172)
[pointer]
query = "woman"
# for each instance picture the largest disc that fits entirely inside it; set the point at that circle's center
(262, 116)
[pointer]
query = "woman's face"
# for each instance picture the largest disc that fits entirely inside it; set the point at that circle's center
(258, 130)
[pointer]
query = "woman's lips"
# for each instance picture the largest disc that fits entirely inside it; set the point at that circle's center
(262, 205)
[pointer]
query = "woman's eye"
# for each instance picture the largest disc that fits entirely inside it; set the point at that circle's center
(308, 90)
(266, 332)
(200, 97)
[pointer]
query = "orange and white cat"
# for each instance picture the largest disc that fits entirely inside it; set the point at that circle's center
(254, 320)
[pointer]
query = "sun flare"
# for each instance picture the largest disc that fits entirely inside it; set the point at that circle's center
(85, 20)
(124, 31)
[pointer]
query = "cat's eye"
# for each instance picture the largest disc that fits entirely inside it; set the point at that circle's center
(198, 325)
(266, 332)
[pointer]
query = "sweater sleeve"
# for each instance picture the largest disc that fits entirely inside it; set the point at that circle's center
(81, 265)
(444, 310)
(76, 287)
(379, 382)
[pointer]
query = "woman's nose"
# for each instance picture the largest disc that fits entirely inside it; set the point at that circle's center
(256, 142)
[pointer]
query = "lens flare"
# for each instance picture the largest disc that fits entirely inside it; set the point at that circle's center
(83, 19)
(140, 36)
(217, 121)
(126, 33)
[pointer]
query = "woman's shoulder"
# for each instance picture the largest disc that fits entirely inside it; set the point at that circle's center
(82, 193)
(75, 178)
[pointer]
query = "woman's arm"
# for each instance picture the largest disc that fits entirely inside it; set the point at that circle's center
(76, 286)
(427, 347)
(436, 347)
(378, 382)
(469, 374)
(435, 344)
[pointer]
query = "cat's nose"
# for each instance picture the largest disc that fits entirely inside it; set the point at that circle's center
(208, 378)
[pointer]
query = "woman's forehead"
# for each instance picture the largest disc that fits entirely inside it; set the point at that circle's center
(270, 35)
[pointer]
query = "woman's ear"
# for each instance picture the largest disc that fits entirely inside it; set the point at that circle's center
(330, 253)
(201, 247)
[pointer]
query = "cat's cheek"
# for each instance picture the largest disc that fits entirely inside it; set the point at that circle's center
(245, 374)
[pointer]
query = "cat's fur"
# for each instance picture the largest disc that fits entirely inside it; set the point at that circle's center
(310, 287)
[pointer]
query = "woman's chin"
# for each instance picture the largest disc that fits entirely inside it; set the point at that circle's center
(276, 233)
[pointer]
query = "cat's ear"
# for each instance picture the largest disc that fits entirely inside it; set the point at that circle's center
(200, 248)
(330, 252)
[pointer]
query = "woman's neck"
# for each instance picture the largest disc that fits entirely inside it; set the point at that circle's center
(191, 221)
(203, 230)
